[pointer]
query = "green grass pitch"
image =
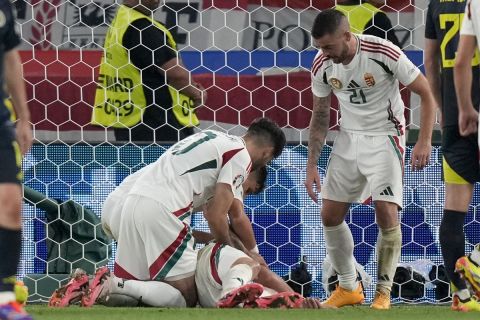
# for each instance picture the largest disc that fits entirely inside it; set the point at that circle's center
(41, 312)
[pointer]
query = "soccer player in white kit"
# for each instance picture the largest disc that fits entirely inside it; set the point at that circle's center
(469, 43)
(154, 239)
(368, 154)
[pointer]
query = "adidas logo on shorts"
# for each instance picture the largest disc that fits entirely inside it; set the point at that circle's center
(387, 192)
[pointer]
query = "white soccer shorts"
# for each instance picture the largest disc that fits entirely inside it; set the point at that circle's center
(361, 166)
(153, 244)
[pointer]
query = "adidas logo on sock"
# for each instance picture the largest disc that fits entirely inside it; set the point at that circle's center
(387, 192)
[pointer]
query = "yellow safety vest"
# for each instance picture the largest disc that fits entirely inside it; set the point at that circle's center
(119, 99)
(358, 15)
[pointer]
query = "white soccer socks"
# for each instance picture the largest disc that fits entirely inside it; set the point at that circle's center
(389, 246)
(151, 293)
(340, 245)
(237, 276)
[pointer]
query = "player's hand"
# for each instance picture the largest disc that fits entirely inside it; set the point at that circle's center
(420, 155)
(312, 181)
(202, 97)
(258, 258)
(24, 135)
(467, 121)
(313, 303)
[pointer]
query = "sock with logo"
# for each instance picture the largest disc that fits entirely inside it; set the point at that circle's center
(339, 242)
(151, 293)
(452, 241)
(237, 276)
(389, 247)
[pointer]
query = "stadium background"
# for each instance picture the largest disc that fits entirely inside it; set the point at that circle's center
(253, 57)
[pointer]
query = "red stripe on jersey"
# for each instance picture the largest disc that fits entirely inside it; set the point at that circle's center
(229, 155)
(162, 260)
(249, 167)
(118, 271)
(179, 212)
(317, 61)
(213, 265)
(383, 46)
(394, 119)
(319, 65)
(380, 51)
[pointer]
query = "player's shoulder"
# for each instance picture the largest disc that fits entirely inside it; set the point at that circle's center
(227, 142)
(379, 48)
(473, 8)
(320, 62)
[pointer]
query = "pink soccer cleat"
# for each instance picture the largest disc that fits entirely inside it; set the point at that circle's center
(283, 300)
(245, 294)
(98, 287)
(72, 292)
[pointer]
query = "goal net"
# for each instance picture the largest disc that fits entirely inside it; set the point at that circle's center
(253, 57)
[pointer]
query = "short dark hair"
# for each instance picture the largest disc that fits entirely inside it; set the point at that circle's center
(267, 130)
(327, 22)
(261, 179)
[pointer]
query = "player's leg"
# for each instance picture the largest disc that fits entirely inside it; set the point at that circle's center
(339, 242)
(344, 184)
(132, 269)
(119, 292)
(236, 271)
(10, 223)
(460, 172)
(169, 247)
(271, 280)
(383, 160)
(389, 246)
(223, 277)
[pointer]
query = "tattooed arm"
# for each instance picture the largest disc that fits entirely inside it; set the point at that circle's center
(319, 124)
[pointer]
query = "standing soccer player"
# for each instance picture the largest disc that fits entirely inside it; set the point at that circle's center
(460, 154)
(367, 158)
(12, 146)
(469, 41)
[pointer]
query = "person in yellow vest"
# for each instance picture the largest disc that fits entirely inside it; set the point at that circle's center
(143, 90)
(366, 18)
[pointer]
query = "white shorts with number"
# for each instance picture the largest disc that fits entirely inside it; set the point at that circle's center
(153, 244)
(214, 261)
(361, 166)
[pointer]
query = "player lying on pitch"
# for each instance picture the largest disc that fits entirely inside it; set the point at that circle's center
(113, 291)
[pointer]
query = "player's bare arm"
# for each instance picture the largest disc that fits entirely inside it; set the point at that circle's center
(432, 58)
(467, 115)
(216, 214)
(202, 236)
(241, 225)
(421, 152)
(16, 88)
(319, 124)
(178, 77)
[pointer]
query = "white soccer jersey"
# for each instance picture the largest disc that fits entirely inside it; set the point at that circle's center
(471, 20)
(368, 87)
(185, 176)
